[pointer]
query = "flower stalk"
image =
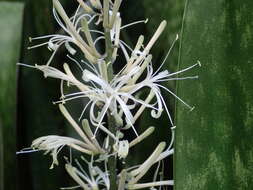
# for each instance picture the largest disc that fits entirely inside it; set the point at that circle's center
(113, 104)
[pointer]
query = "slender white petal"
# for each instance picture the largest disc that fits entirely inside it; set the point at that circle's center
(54, 144)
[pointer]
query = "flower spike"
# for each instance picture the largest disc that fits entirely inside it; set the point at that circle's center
(112, 101)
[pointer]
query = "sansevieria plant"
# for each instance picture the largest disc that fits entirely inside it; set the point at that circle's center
(111, 77)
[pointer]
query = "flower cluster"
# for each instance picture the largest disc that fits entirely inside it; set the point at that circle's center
(113, 95)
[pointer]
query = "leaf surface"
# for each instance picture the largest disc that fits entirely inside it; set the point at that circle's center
(214, 142)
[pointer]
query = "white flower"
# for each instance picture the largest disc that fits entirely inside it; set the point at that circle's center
(79, 23)
(72, 27)
(108, 94)
(135, 173)
(122, 148)
(152, 81)
(114, 96)
(53, 144)
(119, 95)
(91, 180)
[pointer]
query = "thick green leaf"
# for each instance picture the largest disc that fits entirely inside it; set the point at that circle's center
(11, 15)
(214, 142)
(1, 158)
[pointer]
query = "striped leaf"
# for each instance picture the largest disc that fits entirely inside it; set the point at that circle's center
(11, 15)
(214, 142)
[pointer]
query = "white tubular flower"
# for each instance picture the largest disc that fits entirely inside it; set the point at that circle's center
(109, 95)
(91, 180)
(134, 174)
(113, 96)
(72, 27)
(117, 42)
(152, 81)
(122, 148)
(145, 52)
(53, 144)
(116, 95)
(138, 173)
(54, 73)
(151, 185)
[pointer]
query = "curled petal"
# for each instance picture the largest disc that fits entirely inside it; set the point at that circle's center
(53, 144)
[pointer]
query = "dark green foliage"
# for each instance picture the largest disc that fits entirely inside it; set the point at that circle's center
(172, 12)
(11, 15)
(214, 142)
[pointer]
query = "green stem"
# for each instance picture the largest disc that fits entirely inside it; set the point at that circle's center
(1, 159)
(109, 51)
(112, 161)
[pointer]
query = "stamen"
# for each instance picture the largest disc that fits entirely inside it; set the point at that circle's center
(68, 99)
(102, 114)
(187, 105)
(69, 188)
(178, 78)
(72, 172)
(124, 51)
(156, 172)
(97, 31)
(166, 109)
(76, 62)
(39, 45)
(84, 109)
(142, 108)
(76, 13)
(167, 55)
(134, 23)
(98, 39)
(91, 66)
(26, 150)
(169, 151)
(186, 69)
(29, 66)
(127, 46)
(80, 167)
